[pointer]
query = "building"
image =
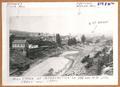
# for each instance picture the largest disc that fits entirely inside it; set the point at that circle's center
(31, 46)
(19, 44)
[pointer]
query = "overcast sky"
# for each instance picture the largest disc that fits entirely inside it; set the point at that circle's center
(61, 24)
(64, 19)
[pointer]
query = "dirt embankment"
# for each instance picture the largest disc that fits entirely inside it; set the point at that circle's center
(77, 67)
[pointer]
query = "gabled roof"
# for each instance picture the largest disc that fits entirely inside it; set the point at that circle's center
(19, 41)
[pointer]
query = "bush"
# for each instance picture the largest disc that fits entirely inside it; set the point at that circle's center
(85, 59)
(17, 60)
(88, 65)
(72, 41)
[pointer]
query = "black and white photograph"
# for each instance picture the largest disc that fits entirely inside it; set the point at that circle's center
(51, 42)
(57, 46)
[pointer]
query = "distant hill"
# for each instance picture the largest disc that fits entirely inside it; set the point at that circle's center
(19, 33)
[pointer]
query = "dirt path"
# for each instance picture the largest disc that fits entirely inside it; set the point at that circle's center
(68, 64)
(56, 63)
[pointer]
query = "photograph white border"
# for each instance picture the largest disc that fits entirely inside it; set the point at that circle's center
(6, 80)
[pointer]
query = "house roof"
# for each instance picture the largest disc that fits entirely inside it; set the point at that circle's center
(19, 41)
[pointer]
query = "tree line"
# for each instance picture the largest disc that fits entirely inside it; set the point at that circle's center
(71, 41)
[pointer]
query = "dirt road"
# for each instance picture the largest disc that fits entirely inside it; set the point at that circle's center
(56, 63)
(68, 63)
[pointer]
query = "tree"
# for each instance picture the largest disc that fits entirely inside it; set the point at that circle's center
(97, 41)
(72, 41)
(12, 37)
(58, 40)
(83, 39)
(27, 49)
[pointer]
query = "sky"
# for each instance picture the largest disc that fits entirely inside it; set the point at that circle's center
(61, 24)
(64, 21)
